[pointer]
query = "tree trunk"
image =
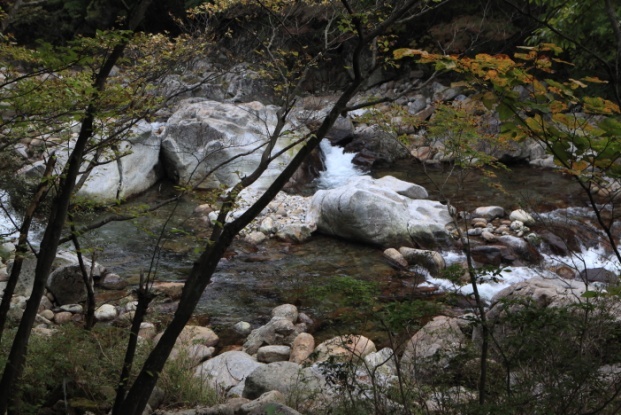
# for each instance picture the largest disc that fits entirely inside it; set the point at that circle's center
(22, 244)
(144, 298)
(203, 269)
(87, 278)
(9, 384)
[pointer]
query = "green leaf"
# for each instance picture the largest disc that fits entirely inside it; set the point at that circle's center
(489, 99)
(505, 112)
(611, 125)
(590, 294)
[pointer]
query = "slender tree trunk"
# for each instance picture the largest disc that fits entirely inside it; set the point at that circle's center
(144, 299)
(9, 384)
(201, 273)
(87, 277)
(22, 244)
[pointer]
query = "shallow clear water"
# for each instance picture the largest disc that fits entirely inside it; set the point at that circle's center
(249, 282)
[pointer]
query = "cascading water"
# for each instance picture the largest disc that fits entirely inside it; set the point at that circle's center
(339, 167)
(594, 256)
(249, 283)
(8, 218)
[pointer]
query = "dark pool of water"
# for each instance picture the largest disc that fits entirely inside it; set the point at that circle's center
(519, 186)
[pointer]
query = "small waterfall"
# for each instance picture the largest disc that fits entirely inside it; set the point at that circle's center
(339, 167)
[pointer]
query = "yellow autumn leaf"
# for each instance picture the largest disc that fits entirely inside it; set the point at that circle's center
(557, 106)
(404, 52)
(539, 88)
(491, 74)
(579, 166)
(594, 80)
(557, 60)
(578, 83)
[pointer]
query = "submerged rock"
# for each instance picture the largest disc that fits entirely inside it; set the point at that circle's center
(430, 260)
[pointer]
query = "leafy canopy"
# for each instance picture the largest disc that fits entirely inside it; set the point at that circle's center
(582, 132)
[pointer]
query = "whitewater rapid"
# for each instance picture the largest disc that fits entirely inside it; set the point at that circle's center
(8, 218)
(338, 167)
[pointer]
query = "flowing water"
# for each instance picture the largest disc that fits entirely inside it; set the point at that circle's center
(338, 167)
(8, 217)
(249, 282)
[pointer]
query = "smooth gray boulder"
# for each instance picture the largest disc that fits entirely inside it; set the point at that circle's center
(380, 212)
(226, 370)
(598, 275)
(278, 331)
(286, 377)
(66, 282)
(203, 135)
(433, 347)
(489, 212)
(130, 169)
(288, 311)
(271, 354)
(545, 292)
(523, 216)
(430, 260)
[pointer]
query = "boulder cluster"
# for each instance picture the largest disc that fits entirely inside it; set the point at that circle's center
(279, 365)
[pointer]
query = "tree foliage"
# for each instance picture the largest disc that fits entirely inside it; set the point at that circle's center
(589, 32)
(581, 131)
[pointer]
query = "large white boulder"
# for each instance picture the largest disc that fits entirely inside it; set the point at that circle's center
(128, 169)
(386, 212)
(202, 136)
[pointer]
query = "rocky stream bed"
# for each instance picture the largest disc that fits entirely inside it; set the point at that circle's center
(390, 225)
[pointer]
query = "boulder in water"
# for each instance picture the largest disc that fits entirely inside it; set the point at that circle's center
(378, 212)
(598, 275)
(374, 146)
(205, 141)
(129, 170)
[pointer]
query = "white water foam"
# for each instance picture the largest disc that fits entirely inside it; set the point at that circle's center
(339, 167)
(7, 217)
(488, 287)
(588, 257)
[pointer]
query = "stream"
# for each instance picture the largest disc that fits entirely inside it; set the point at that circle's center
(250, 281)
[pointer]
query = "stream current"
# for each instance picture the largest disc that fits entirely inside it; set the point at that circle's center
(249, 282)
